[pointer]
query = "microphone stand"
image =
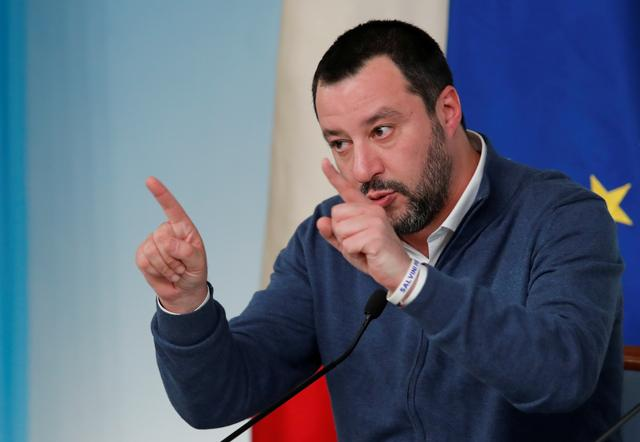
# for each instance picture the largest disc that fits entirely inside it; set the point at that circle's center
(623, 420)
(376, 303)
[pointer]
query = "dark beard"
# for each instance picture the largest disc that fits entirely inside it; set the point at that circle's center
(431, 192)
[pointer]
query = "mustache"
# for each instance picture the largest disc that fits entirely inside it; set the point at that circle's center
(378, 184)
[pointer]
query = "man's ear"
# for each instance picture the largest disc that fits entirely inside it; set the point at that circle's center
(449, 110)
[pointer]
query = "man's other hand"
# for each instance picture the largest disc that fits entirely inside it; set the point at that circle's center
(362, 232)
(172, 258)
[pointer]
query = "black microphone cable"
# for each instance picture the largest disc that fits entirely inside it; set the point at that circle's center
(375, 305)
(623, 420)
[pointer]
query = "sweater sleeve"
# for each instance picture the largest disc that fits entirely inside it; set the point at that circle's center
(544, 355)
(217, 372)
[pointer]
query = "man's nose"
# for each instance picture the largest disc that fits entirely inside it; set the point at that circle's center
(366, 162)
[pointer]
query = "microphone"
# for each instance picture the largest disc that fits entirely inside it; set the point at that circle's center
(623, 420)
(374, 307)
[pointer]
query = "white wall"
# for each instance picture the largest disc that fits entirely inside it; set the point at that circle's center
(119, 90)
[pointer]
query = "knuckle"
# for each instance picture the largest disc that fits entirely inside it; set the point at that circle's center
(197, 242)
(337, 210)
(146, 268)
(143, 266)
(148, 248)
(159, 233)
(182, 228)
(338, 233)
(141, 261)
(326, 230)
(139, 252)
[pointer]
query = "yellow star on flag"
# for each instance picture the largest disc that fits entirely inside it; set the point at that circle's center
(613, 198)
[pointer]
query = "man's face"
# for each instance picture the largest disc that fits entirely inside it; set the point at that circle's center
(383, 139)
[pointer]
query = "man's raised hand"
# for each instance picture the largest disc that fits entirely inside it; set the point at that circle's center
(172, 258)
(362, 232)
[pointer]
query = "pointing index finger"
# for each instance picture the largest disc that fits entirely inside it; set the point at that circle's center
(170, 205)
(348, 192)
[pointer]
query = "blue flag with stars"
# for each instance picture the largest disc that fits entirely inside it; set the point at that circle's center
(556, 85)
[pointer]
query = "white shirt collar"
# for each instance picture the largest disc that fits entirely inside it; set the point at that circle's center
(440, 237)
(470, 192)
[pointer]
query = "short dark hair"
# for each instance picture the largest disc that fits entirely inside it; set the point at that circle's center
(416, 54)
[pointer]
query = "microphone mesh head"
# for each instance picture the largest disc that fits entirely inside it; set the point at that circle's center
(376, 303)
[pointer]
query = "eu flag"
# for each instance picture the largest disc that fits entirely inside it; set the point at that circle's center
(556, 84)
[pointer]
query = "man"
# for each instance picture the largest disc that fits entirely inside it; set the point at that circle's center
(506, 280)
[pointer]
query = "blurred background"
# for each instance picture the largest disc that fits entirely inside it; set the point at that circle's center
(116, 91)
(213, 98)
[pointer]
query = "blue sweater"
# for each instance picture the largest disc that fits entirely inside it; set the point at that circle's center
(516, 335)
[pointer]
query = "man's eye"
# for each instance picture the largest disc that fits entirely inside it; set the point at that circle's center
(381, 131)
(338, 145)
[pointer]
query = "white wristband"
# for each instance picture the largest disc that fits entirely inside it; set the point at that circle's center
(400, 294)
